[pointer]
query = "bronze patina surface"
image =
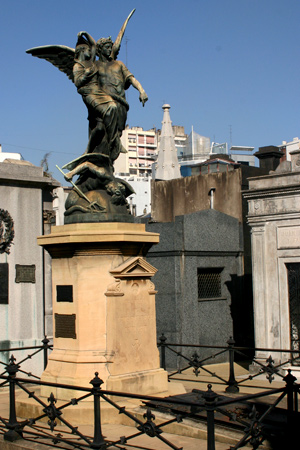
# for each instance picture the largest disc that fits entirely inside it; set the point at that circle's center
(101, 80)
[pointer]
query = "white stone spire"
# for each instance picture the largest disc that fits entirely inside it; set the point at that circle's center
(167, 166)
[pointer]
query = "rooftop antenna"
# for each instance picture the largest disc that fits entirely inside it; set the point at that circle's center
(193, 142)
(126, 54)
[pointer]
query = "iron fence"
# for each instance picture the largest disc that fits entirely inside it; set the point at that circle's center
(44, 348)
(269, 368)
(206, 404)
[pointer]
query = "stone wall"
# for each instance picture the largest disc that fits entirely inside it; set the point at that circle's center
(274, 218)
(190, 194)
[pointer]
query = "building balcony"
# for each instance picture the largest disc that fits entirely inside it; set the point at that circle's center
(144, 144)
(150, 157)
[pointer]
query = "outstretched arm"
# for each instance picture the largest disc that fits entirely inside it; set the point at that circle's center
(137, 85)
(89, 38)
(91, 42)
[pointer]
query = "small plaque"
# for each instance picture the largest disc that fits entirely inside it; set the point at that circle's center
(25, 274)
(288, 237)
(64, 293)
(65, 326)
(4, 283)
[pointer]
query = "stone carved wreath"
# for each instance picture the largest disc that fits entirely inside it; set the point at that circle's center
(6, 231)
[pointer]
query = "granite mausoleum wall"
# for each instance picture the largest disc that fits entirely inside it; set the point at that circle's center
(203, 240)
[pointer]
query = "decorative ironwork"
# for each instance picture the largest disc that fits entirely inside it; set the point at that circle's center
(37, 349)
(268, 368)
(248, 414)
(209, 283)
(195, 363)
(52, 412)
(6, 231)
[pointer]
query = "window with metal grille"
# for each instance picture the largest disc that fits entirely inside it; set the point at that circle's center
(209, 283)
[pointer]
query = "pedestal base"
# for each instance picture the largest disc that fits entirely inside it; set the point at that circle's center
(103, 308)
(148, 382)
(83, 412)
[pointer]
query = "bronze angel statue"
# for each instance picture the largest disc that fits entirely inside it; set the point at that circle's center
(101, 80)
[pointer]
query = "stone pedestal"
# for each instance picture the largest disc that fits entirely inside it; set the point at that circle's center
(103, 308)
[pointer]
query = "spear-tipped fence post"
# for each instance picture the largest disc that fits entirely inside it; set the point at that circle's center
(45, 342)
(98, 442)
(232, 384)
(292, 407)
(14, 432)
(162, 340)
(210, 405)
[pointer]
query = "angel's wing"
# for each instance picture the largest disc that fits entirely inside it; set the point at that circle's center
(117, 44)
(60, 56)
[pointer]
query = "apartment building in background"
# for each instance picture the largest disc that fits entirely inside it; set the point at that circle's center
(136, 166)
(9, 155)
(141, 146)
(194, 152)
(288, 147)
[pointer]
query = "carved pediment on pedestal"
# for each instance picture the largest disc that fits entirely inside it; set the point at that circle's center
(136, 273)
(135, 267)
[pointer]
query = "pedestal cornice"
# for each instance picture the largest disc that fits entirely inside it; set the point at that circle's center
(98, 237)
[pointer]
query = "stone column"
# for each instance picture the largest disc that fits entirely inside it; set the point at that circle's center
(48, 220)
(265, 281)
(258, 271)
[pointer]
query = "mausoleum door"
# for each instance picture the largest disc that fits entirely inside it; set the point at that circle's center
(293, 270)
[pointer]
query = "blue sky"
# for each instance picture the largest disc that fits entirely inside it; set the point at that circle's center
(220, 64)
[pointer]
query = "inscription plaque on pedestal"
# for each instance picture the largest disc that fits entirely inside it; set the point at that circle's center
(4, 283)
(25, 273)
(65, 326)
